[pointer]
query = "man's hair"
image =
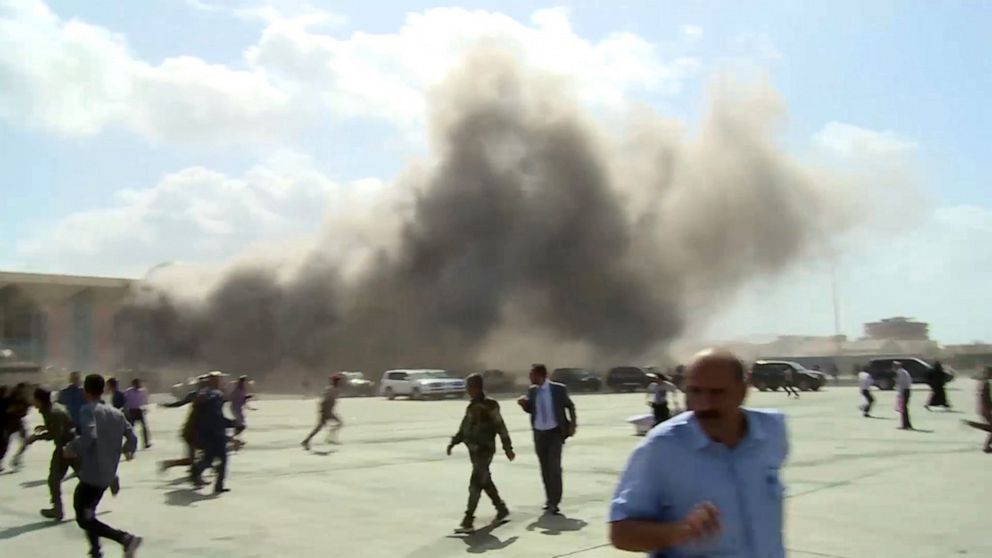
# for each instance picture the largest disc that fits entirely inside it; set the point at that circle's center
(136, 382)
(93, 384)
(474, 379)
(112, 382)
(539, 368)
(724, 356)
(42, 394)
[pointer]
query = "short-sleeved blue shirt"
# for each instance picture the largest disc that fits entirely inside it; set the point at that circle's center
(678, 467)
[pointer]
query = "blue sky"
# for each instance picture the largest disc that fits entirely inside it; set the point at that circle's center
(916, 74)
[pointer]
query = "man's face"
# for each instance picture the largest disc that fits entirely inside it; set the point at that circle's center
(537, 378)
(74, 378)
(713, 391)
(473, 389)
(214, 382)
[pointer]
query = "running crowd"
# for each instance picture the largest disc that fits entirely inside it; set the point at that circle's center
(679, 509)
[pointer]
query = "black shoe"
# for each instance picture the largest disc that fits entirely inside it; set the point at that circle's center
(221, 490)
(502, 513)
(467, 525)
(131, 546)
(53, 513)
(197, 481)
(553, 510)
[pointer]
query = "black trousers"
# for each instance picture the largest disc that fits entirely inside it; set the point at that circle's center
(869, 401)
(212, 452)
(57, 469)
(661, 413)
(548, 444)
(84, 501)
(904, 393)
(481, 481)
(138, 415)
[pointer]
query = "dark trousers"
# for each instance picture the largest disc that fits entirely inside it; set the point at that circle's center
(481, 481)
(661, 413)
(138, 415)
(322, 420)
(57, 469)
(213, 452)
(904, 394)
(869, 401)
(548, 444)
(84, 501)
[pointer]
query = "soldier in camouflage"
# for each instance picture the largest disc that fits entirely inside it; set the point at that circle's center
(478, 431)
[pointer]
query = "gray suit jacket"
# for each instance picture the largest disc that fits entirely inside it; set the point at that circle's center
(564, 409)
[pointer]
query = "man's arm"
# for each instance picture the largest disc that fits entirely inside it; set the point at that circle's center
(526, 401)
(504, 434)
(458, 437)
(569, 407)
(638, 535)
(184, 401)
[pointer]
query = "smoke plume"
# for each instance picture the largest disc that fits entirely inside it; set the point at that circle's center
(531, 228)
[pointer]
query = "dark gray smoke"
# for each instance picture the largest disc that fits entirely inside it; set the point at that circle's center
(530, 227)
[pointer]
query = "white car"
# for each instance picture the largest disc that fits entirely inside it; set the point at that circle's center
(420, 384)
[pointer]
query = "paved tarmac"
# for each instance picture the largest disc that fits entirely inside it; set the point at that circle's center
(857, 487)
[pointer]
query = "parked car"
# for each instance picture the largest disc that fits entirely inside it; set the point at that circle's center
(577, 379)
(881, 370)
(355, 384)
(420, 384)
(770, 375)
(497, 381)
(628, 378)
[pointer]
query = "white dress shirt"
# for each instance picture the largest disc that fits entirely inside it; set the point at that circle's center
(865, 380)
(544, 410)
(903, 380)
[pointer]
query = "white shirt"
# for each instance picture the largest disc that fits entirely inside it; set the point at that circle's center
(865, 380)
(661, 391)
(544, 410)
(903, 379)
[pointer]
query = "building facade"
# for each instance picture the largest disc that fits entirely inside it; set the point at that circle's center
(60, 321)
(900, 328)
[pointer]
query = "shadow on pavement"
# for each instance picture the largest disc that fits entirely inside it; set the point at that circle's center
(550, 524)
(34, 483)
(185, 497)
(12, 532)
(483, 540)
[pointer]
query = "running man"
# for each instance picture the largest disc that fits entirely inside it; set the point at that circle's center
(59, 429)
(984, 408)
(789, 382)
(239, 400)
(135, 401)
(865, 381)
(98, 447)
(211, 432)
(658, 393)
(188, 432)
(326, 413)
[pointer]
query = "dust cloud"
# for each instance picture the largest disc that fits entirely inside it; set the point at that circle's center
(532, 232)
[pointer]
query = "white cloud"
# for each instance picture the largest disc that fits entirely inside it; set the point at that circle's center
(848, 139)
(693, 32)
(78, 79)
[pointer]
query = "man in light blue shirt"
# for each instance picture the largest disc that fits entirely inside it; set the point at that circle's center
(706, 483)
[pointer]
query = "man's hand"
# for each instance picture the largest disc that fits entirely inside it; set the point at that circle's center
(703, 521)
(450, 446)
(522, 401)
(510, 455)
(30, 439)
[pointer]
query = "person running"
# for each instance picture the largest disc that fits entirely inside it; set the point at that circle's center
(211, 432)
(326, 412)
(904, 383)
(789, 382)
(984, 408)
(188, 433)
(59, 429)
(865, 381)
(937, 379)
(135, 401)
(658, 393)
(71, 396)
(478, 430)
(117, 398)
(13, 422)
(239, 400)
(98, 448)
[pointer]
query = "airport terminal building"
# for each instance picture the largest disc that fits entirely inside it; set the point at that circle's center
(62, 321)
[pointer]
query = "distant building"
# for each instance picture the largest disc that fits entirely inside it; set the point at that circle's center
(63, 321)
(899, 328)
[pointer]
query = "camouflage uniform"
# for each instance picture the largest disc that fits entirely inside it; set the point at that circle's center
(59, 429)
(478, 431)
